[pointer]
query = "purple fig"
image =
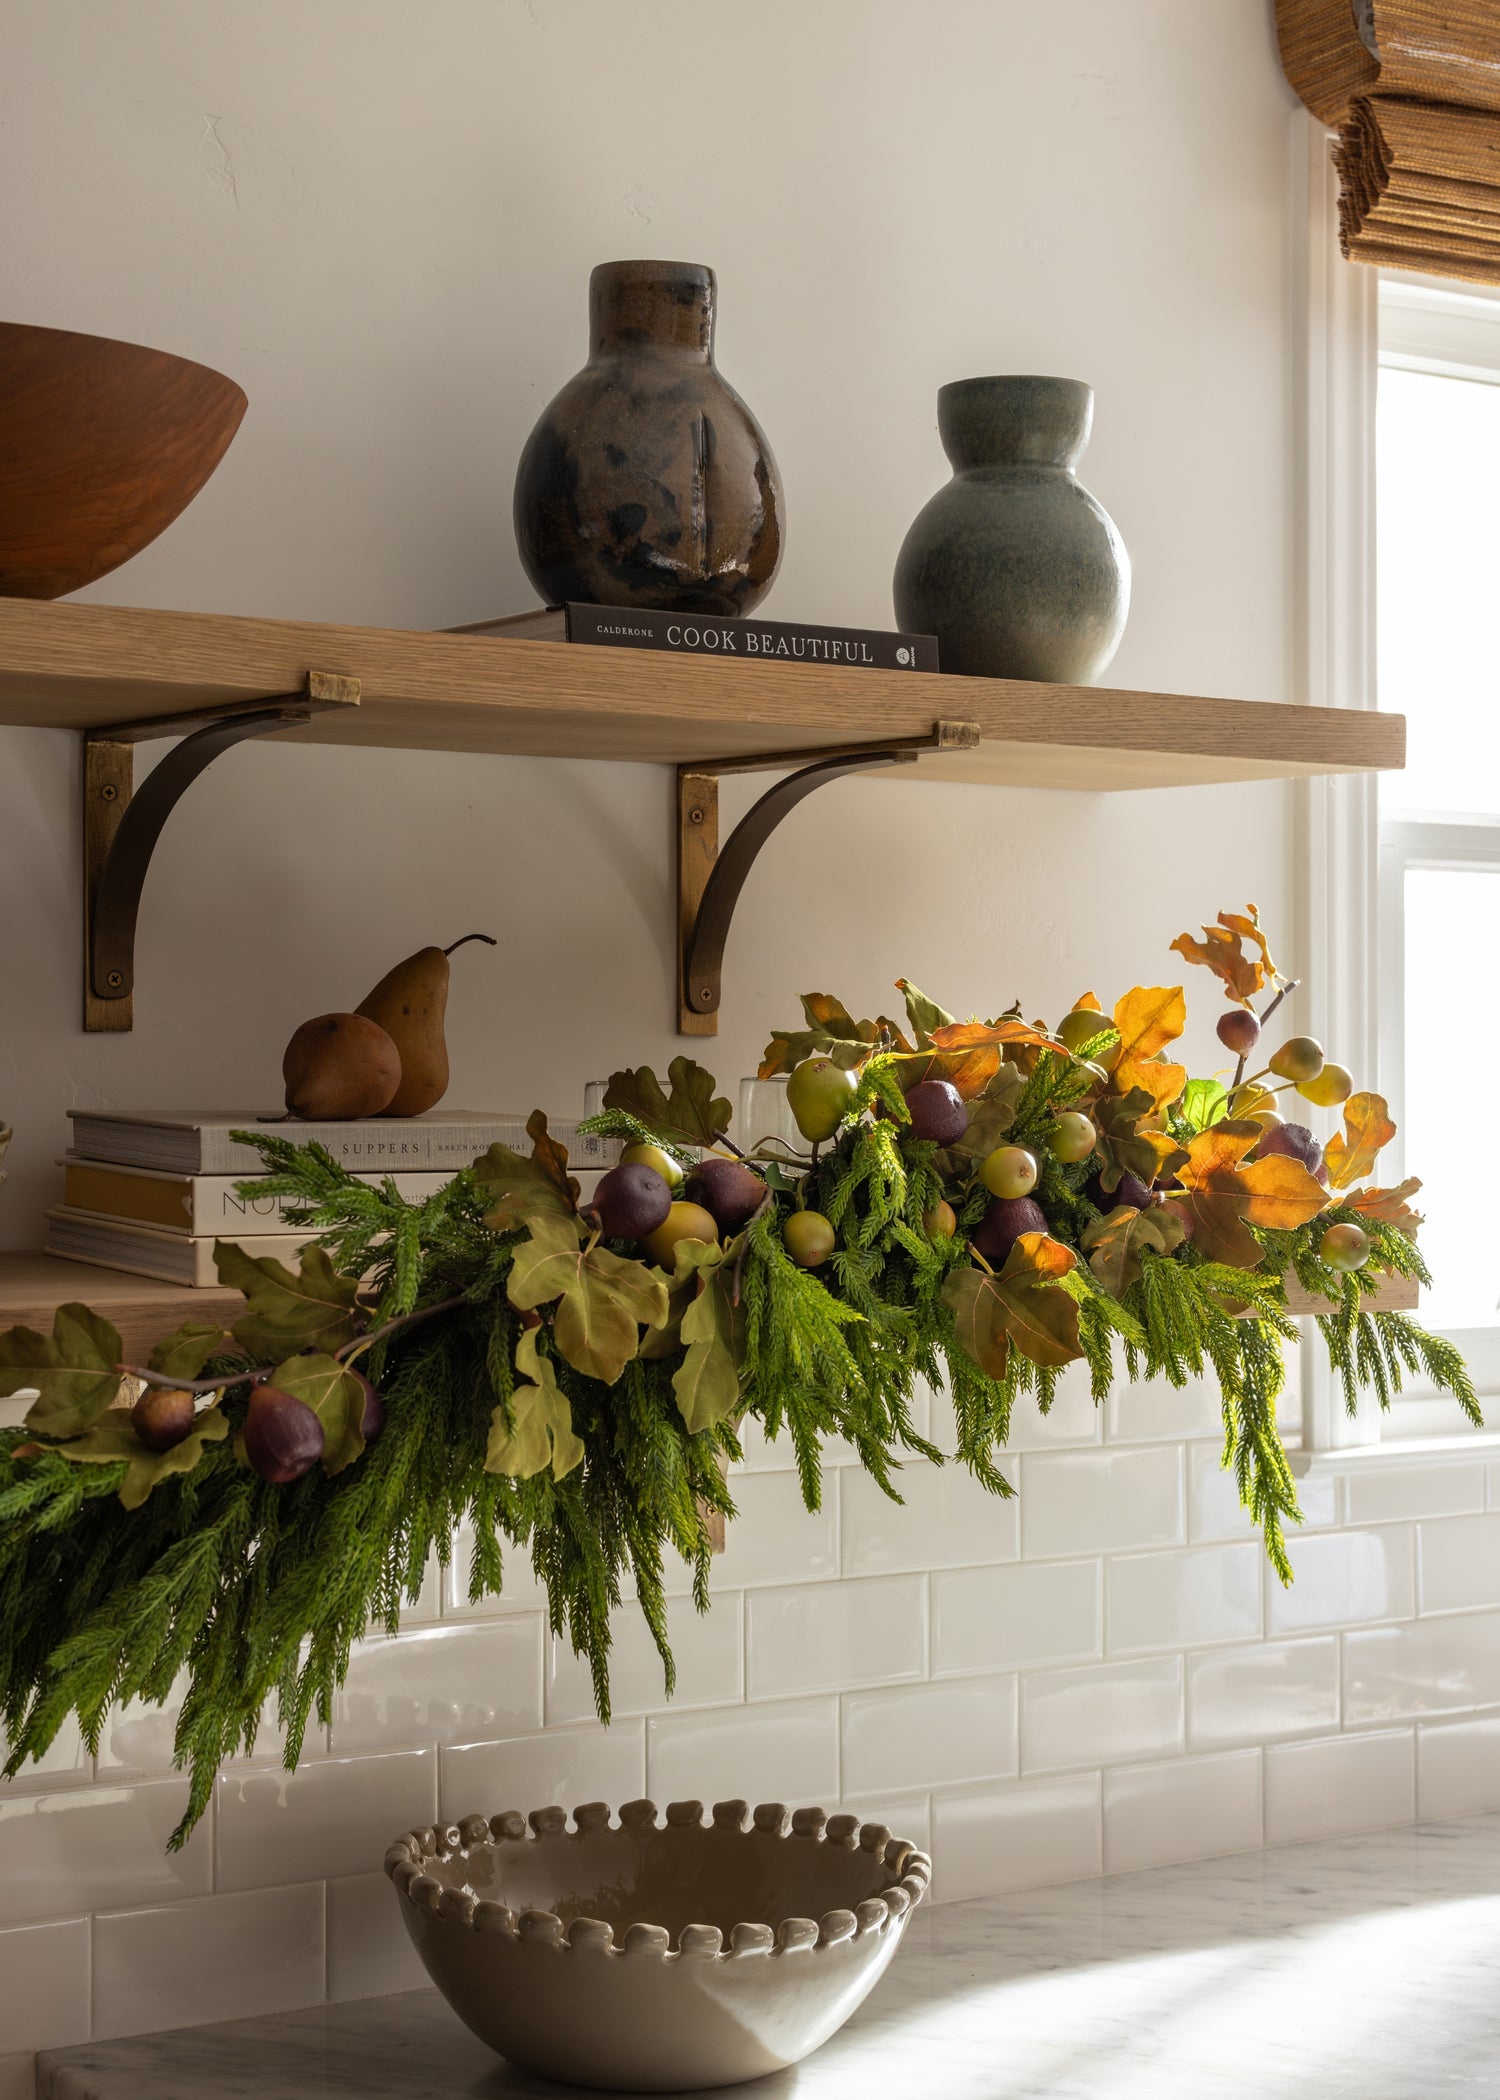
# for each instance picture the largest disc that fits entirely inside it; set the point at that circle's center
(1132, 1193)
(1003, 1224)
(283, 1437)
(729, 1191)
(938, 1111)
(1294, 1141)
(163, 1416)
(631, 1201)
(372, 1421)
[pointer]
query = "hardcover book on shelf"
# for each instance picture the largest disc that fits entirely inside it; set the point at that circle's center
(143, 1251)
(198, 1141)
(193, 1205)
(746, 639)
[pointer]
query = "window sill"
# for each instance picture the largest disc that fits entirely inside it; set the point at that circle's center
(1480, 1446)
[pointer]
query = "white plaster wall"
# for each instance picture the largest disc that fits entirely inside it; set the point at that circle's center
(380, 218)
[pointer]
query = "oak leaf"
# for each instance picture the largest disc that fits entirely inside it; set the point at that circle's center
(522, 1189)
(707, 1381)
(315, 1309)
(832, 1032)
(75, 1370)
(1388, 1206)
(114, 1439)
(1117, 1242)
(1149, 1018)
(1222, 1196)
(602, 1299)
(539, 1432)
(923, 1013)
(979, 1049)
(1350, 1153)
(1021, 1307)
(183, 1354)
(1124, 1144)
(690, 1114)
(1222, 950)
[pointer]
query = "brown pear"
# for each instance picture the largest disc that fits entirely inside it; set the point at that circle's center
(339, 1067)
(410, 1003)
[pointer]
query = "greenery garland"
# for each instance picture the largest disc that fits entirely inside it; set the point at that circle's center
(578, 1397)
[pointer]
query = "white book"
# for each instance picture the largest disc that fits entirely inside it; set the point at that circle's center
(108, 1244)
(198, 1141)
(197, 1204)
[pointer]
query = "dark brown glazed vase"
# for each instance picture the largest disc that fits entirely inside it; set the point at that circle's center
(647, 480)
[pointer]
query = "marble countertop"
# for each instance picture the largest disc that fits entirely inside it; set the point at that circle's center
(1360, 1969)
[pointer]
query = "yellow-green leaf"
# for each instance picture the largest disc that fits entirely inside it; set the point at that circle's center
(539, 1432)
(335, 1396)
(602, 1299)
(315, 1309)
(75, 1370)
(707, 1381)
(183, 1354)
(522, 1189)
(691, 1114)
(113, 1439)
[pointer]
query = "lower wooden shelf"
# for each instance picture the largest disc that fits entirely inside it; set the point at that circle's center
(1395, 1294)
(34, 1284)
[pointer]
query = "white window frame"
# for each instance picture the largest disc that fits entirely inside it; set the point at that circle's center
(1351, 873)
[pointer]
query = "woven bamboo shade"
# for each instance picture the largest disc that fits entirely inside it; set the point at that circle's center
(1418, 145)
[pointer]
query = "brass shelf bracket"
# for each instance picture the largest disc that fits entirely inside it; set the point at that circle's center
(121, 827)
(709, 880)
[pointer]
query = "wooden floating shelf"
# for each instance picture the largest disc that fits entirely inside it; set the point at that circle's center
(89, 667)
(33, 1285)
(1392, 1294)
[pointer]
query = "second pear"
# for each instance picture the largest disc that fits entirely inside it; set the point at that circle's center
(410, 1003)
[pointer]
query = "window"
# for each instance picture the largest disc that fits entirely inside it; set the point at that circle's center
(1437, 459)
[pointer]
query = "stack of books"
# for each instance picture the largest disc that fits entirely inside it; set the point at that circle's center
(153, 1191)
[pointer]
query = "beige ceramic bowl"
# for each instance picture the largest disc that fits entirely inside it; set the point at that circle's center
(651, 1957)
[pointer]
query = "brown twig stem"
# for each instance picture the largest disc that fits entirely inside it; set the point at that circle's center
(258, 1373)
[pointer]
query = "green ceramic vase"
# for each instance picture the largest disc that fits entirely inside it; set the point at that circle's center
(1013, 565)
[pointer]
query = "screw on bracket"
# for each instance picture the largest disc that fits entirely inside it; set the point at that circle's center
(110, 792)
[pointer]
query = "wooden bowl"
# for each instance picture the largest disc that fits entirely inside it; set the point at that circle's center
(101, 445)
(650, 1958)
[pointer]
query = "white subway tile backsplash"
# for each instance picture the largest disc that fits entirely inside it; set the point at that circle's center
(1079, 1502)
(1492, 1486)
(92, 1848)
(907, 1816)
(65, 1762)
(1015, 1837)
(444, 1684)
(369, 1952)
(945, 1519)
(929, 1735)
(1343, 1579)
(138, 1738)
(1182, 1599)
(1074, 1417)
(787, 1752)
(521, 1590)
(1392, 1491)
(44, 1985)
(1247, 1695)
(1458, 1767)
(1185, 1808)
(1110, 1714)
(558, 1769)
(1015, 1617)
(1154, 1410)
(1458, 1563)
(706, 1646)
(1216, 1512)
(1351, 1782)
(220, 1958)
(819, 1636)
(334, 1817)
(775, 1537)
(1392, 1673)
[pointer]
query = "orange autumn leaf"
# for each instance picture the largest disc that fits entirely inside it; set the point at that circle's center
(1149, 1018)
(1088, 1004)
(1351, 1152)
(1222, 1196)
(1222, 950)
(970, 1035)
(1020, 1306)
(1388, 1206)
